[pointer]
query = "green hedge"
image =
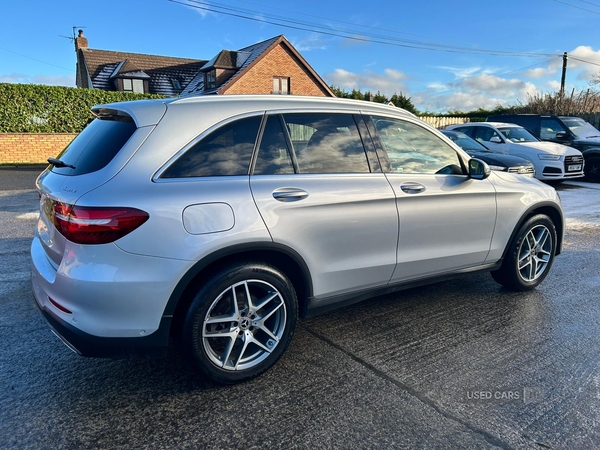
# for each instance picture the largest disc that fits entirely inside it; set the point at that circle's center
(32, 108)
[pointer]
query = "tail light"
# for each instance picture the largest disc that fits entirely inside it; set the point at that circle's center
(92, 225)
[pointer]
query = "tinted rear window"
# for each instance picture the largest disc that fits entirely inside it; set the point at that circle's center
(224, 152)
(95, 146)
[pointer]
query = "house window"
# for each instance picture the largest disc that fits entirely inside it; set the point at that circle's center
(176, 84)
(132, 85)
(281, 85)
(210, 79)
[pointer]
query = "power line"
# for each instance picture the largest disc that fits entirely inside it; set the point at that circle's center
(346, 34)
(590, 3)
(34, 59)
(331, 20)
(584, 61)
(577, 7)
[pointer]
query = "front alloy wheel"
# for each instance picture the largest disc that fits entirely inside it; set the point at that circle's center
(535, 253)
(241, 322)
(529, 256)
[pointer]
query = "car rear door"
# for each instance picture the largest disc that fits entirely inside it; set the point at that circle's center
(446, 218)
(321, 195)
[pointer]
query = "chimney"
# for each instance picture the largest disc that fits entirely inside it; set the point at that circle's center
(81, 41)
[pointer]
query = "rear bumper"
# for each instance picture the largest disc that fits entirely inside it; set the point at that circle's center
(152, 346)
(103, 302)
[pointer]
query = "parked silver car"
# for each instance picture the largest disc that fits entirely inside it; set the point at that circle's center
(222, 219)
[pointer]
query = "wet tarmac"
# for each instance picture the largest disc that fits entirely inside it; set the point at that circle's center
(460, 364)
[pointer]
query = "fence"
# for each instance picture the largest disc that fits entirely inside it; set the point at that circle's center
(443, 122)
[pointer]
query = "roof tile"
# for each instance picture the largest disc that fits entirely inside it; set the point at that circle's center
(101, 65)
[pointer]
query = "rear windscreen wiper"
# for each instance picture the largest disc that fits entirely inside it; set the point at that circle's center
(58, 163)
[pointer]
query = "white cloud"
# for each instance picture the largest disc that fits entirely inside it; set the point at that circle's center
(540, 72)
(478, 91)
(553, 85)
(312, 42)
(576, 69)
(198, 9)
(474, 86)
(38, 79)
(461, 72)
(388, 83)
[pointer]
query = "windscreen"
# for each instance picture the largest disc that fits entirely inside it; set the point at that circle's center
(580, 127)
(517, 134)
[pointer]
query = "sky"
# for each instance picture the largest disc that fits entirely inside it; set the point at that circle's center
(443, 55)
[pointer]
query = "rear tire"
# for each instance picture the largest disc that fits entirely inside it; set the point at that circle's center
(529, 256)
(240, 322)
(592, 169)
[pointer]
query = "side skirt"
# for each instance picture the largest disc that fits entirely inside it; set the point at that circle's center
(325, 304)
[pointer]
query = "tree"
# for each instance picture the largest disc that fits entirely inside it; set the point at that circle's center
(404, 102)
(398, 100)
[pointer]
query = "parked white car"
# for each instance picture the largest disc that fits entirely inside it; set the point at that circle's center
(551, 161)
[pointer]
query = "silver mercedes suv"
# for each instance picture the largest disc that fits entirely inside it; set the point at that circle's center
(220, 220)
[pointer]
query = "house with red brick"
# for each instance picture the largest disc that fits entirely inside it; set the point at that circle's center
(272, 66)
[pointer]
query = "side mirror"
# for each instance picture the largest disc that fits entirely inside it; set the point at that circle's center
(561, 135)
(478, 170)
(496, 140)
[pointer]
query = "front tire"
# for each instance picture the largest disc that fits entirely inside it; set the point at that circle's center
(529, 256)
(241, 322)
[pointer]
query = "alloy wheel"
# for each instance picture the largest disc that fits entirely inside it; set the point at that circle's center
(243, 325)
(535, 253)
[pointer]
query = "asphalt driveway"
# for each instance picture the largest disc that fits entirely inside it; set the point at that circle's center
(460, 364)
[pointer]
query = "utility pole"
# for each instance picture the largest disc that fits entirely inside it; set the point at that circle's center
(564, 75)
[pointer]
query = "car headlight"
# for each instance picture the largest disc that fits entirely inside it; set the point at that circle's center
(501, 168)
(548, 156)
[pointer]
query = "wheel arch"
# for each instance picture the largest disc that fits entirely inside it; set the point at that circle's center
(287, 260)
(548, 209)
(591, 151)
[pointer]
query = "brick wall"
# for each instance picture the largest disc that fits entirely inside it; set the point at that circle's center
(279, 62)
(29, 148)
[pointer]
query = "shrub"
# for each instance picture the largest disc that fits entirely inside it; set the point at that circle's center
(32, 108)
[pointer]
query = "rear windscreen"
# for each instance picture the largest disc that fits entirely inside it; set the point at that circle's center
(95, 146)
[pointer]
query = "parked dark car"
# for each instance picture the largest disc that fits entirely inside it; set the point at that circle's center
(568, 130)
(496, 161)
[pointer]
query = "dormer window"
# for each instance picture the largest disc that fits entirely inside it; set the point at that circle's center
(133, 85)
(210, 79)
(281, 85)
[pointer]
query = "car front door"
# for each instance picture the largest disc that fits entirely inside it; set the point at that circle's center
(550, 127)
(321, 195)
(446, 218)
(491, 139)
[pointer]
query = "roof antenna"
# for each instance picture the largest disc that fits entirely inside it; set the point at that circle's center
(72, 38)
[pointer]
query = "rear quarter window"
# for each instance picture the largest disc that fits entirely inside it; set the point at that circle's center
(224, 152)
(96, 146)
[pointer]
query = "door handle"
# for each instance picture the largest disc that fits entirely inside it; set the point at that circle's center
(289, 194)
(412, 188)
